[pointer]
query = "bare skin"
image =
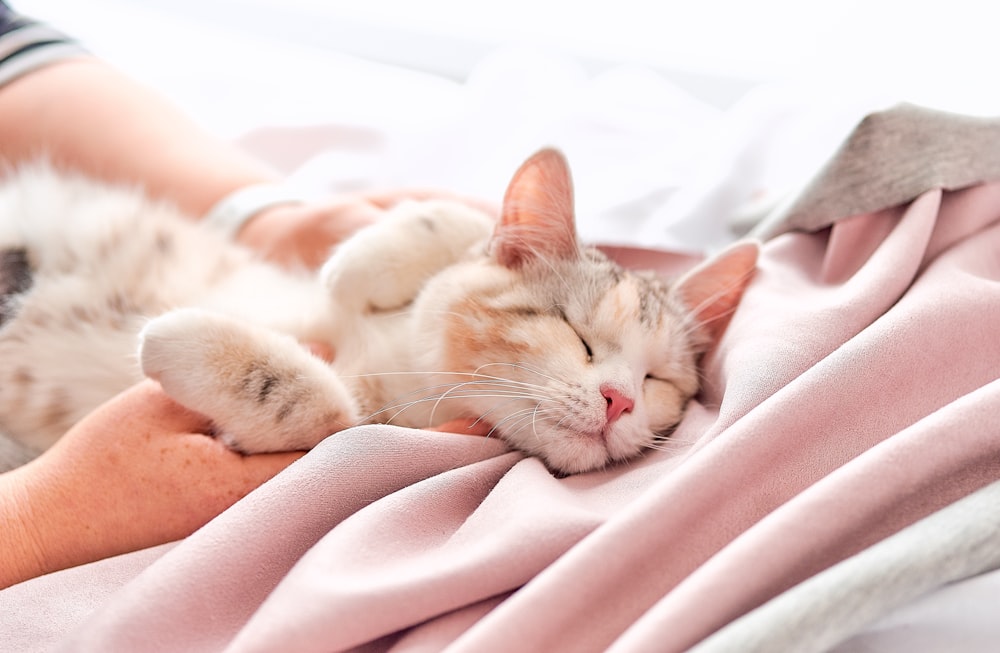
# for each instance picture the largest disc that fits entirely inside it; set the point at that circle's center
(136, 472)
(140, 470)
(74, 113)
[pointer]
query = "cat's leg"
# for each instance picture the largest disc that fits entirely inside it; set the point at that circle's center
(262, 389)
(385, 265)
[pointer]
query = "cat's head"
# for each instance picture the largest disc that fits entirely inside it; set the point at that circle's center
(569, 356)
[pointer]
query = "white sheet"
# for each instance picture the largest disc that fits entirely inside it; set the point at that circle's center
(654, 165)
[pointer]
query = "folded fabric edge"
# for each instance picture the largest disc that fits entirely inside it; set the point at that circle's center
(890, 158)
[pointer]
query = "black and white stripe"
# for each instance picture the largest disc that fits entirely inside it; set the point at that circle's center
(26, 44)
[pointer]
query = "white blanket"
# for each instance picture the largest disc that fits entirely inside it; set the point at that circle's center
(654, 165)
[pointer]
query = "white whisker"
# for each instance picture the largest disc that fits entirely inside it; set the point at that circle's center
(521, 366)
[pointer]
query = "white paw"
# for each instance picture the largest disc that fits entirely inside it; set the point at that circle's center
(261, 389)
(169, 345)
(384, 266)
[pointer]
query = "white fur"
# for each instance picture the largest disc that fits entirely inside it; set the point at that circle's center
(426, 325)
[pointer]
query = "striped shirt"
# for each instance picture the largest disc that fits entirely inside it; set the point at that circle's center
(27, 44)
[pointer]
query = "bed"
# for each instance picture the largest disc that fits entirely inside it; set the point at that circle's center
(834, 486)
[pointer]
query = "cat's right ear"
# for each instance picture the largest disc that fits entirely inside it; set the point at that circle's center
(537, 221)
(713, 289)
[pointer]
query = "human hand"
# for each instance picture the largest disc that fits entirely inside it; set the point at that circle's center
(137, 472)
(305, 234)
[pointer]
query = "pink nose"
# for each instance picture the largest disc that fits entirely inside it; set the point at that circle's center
(617, 403)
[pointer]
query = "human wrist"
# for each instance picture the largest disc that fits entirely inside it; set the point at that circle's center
(58, 516)
(24, 554)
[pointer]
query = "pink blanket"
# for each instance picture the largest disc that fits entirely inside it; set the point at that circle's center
(854, 392)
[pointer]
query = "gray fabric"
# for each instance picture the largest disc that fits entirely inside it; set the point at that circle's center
(958, 617)
(955, 543)
(889, 159)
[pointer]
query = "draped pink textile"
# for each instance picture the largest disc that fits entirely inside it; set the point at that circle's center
(854, 392)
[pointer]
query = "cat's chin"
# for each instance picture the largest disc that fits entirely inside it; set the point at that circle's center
(580, 462)
(571, 453)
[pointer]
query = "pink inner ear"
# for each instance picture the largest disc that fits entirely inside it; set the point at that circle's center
(713, 289)
(536, 221)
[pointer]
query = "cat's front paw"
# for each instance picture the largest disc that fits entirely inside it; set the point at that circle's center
(261, 389)
(384, 266)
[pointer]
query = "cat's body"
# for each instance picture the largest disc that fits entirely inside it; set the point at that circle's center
(436, 313)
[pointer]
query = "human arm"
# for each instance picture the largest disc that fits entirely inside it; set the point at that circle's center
(78, 112)
(137, 472)
(83, 114)
(59, 103)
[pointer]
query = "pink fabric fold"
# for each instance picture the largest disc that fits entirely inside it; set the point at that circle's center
(854, 392)
(815, 373)
(200, 595)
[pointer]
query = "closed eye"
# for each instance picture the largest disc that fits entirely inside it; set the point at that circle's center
(586, 346)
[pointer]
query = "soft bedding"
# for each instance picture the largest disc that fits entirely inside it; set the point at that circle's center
(834, 475)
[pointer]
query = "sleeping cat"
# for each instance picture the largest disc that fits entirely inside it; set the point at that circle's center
(437, 312)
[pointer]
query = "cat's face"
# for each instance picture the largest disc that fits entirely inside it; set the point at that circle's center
(565, 354)
(582, 364)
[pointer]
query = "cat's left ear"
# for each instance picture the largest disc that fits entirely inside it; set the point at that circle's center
(536, 221)
(713, 289)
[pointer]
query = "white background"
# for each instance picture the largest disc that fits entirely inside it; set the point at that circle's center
(940, 54)
(676, 115)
